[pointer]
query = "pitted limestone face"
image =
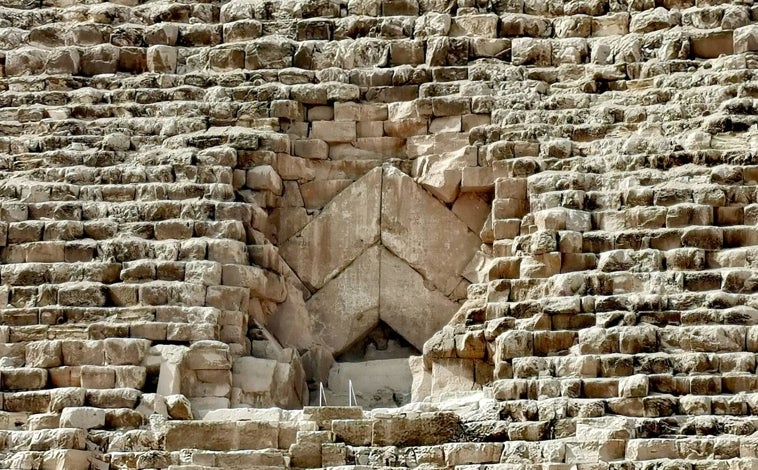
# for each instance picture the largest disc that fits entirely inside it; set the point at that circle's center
(518, 233)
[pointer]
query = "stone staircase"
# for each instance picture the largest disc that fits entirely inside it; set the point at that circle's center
(594, 161)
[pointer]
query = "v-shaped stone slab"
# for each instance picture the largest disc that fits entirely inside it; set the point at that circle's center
(378, 286)
(404, 280)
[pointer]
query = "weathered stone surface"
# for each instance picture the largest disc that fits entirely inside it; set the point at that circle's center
(371, 379)
(178, 407)
(407, 305)
(421, 429)
(554, 202)
(323, 249)
(746, 39)
(83, 417)
(351, 300)
(409, 217)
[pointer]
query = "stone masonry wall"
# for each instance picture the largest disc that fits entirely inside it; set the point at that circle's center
(205, 203)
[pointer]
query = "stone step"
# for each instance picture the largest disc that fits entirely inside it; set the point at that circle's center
(155, 323)
(240, 459)
(611, 387)
(61, 218)
(731, 265)
(610, 365)
(170, 97)
(575, 302)
(190, 249)
(56, 399)
(214, 191)
(535, 279)
(93, 377)
(498, 319)
(517, 394)
(44, 440)
(78, 181)
(142, 460)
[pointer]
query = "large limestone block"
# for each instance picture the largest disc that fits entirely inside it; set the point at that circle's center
(169, 359)
(348, 225)
(254, 375)
(246, 414)
(316, 194)
(441, 174)
(306, 452)
(407, 305)
(422, 429)
(100, 59)
(370, 377)
(264, 178)
(222, 436)
(530, 51)
(82, 417)
(422, 231)
(421, 386)
(161, 59)
(472, 209)
(453, 375)
(711, 44)
(178, 407)
(746, 39)
(208, 355)
(66, 459)
(292, 324)
(348, 306)
(463, 453)
(475, 25)
(43, 354)
(25, 61)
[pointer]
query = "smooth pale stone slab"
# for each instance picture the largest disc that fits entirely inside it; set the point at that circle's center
(407, 305)
(348, 225)
(245, 414)
(348, 307)
(422, 231)
(369, 377)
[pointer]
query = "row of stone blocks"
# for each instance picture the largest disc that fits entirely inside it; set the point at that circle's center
(109, 59)
(137, 323)
(228, 215)
(213, 272)
(398, 82)
(637, 386)
(693, 244)
(553, 207)
(358, 441)
(125, 26)
(149, 12)
(609, 292)
(143, 90)
(689, 263)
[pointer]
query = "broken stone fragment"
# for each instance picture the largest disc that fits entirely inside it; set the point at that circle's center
(178, 407)
(82, 418)
(161, 59)
(746, 39)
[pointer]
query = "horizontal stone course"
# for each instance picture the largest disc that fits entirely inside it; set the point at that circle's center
(570, 186)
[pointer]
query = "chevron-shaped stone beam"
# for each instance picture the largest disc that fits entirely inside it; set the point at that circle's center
(382, 249)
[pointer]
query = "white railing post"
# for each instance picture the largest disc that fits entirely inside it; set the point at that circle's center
(321, 395)
(352, 400)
